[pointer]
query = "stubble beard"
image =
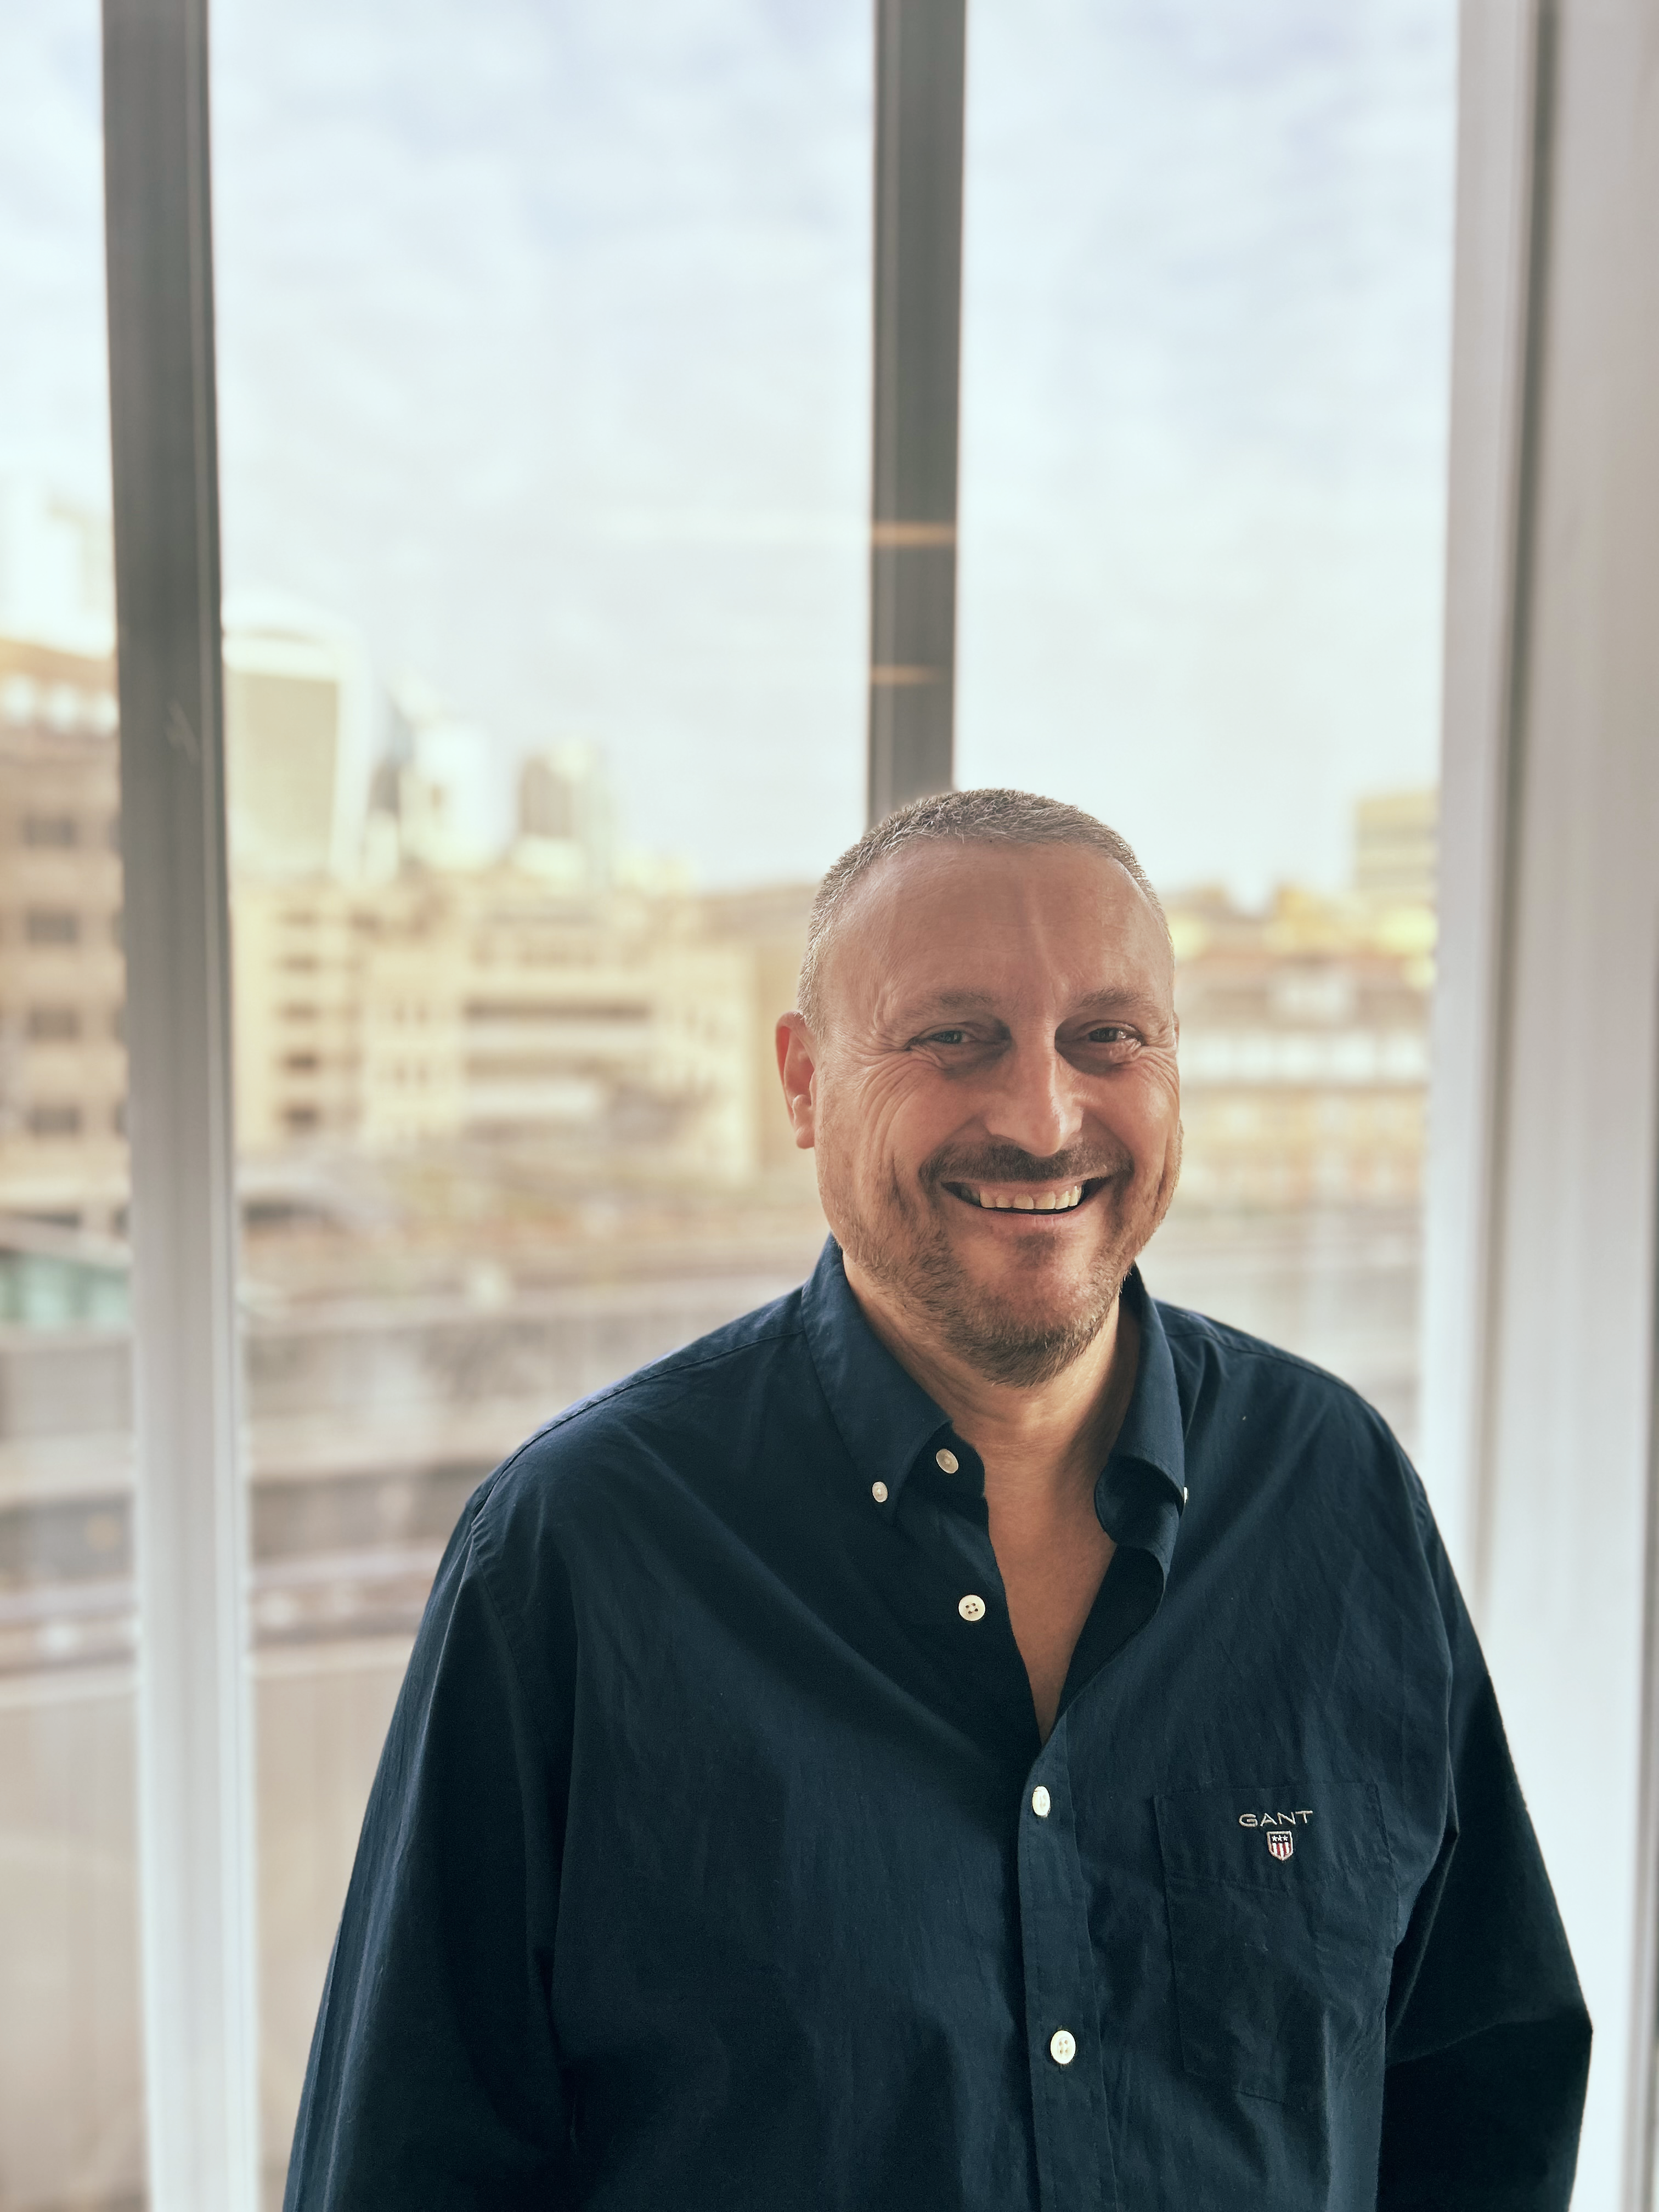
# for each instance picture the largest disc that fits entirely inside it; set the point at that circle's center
(906, 1250)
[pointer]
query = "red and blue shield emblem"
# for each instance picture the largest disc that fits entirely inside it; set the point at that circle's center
(1281, 1841)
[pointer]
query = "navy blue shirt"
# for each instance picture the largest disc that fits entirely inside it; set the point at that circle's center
(714, 1859)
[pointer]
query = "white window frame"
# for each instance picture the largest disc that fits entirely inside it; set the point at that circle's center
(196, 1826)
(1538, 1382)
(1539, 1355)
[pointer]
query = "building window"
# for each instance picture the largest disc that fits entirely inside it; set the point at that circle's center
(52, 1024)
(52, 926)
(57, 830)
(51, 1120)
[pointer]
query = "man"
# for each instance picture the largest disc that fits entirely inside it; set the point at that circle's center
(965, 1735)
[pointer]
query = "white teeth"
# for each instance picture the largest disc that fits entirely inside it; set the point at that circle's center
(1049, 1202)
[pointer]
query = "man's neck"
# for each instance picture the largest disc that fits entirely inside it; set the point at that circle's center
(1036, 1441)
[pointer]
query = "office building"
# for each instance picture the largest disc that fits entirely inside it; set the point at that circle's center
(1396, 848)
(299, 741)
(62, 1061)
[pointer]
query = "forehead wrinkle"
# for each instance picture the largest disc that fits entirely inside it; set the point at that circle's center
(1122, 998)
(950, 1002)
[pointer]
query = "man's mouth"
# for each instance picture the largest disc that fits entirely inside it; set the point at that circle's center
(1015, 1198)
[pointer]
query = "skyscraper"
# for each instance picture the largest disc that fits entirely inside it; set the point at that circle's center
(299, 740)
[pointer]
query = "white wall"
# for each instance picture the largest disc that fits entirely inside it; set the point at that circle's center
(1540, 1306)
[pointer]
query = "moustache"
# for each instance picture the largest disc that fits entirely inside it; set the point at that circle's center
(1010, 1163)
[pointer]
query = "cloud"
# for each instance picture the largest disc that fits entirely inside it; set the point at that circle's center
(544, 358)
(1205, 375)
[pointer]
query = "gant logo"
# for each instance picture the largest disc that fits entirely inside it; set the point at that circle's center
(1280, 1826)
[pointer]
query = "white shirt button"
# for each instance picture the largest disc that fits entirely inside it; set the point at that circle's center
(971, 1607)
(1040, 1802)
(878, 1491)
(1062, 2046)
(946, 1460)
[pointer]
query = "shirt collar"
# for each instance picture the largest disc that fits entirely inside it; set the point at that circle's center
(887, 1420)
(1142, 1489)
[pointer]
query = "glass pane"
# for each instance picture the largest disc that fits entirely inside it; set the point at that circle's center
(1207, 278)
(72, 2095)
(544, 369)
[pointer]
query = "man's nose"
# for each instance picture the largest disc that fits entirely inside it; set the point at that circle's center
(1035, 1101)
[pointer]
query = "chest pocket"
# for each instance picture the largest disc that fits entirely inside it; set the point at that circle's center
(1282, 1906)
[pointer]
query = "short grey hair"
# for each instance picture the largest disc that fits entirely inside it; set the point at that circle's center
(988, 817)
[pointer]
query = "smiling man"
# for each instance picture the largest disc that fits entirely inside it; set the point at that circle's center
(966, 1735)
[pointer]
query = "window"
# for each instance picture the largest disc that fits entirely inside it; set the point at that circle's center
(506, 785)
(59, 1120)
(1206, 288)
(52, 926)
(544, 714)
(72, 2126)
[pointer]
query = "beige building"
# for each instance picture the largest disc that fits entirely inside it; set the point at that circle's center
(297, 970)
(611, 1030)
(769, 927)
(62, 1063)
(297, 737)
(1304, 1045)
(619, 1031)
(1397, 849)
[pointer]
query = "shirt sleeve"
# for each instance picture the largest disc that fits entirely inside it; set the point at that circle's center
(1489, 2039)
(434, 2079)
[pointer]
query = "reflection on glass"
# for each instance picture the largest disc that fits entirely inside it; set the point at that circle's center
(545, 368)
(1207, 279)
(71, 2096)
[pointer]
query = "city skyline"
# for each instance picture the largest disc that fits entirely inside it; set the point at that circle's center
(401, 761)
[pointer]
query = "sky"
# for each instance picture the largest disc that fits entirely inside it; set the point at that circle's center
(543, 342)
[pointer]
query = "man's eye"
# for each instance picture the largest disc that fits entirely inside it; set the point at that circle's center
(945, 1037)
(1112, 1033)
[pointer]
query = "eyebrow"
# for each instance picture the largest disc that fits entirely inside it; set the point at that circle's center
(924, 1010)
(952, 1002)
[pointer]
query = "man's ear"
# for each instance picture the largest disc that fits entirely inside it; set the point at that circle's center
(798, 1068)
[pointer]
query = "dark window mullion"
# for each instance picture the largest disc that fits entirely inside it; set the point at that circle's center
(920, 52)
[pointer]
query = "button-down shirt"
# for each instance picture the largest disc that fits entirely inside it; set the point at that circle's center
(715, 1859)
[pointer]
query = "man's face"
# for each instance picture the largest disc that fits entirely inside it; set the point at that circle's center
(995, 1106)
